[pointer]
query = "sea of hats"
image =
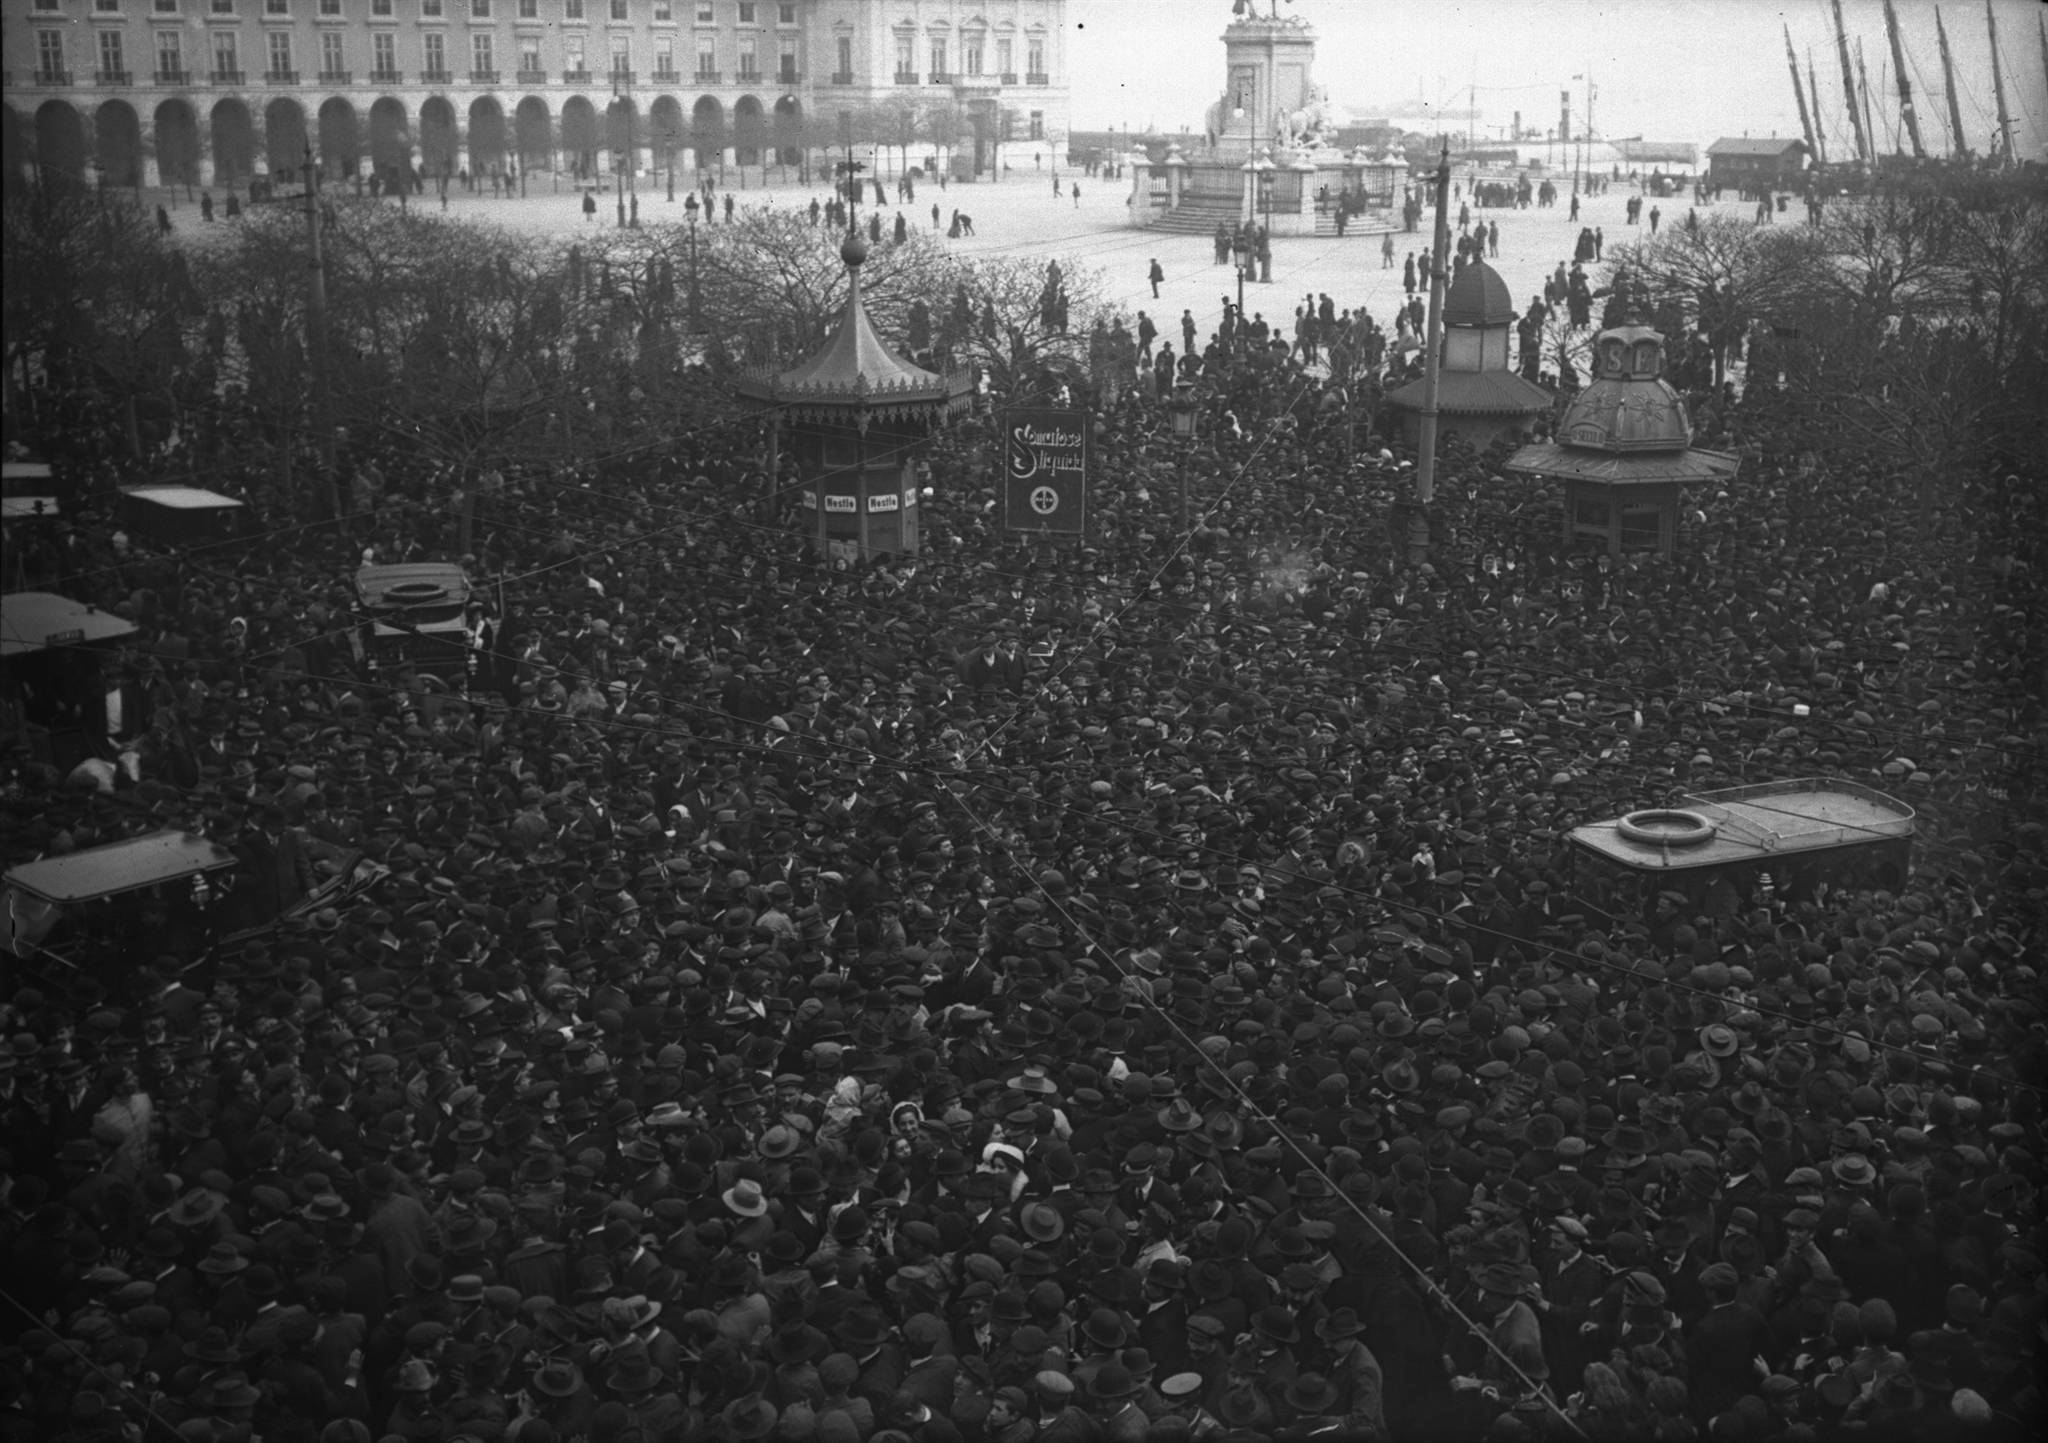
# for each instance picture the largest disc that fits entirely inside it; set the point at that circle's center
(1132, 995)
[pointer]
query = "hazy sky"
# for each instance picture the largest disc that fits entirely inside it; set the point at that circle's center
(1662, 69)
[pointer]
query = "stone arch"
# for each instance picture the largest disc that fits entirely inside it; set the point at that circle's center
(61, 150)
(707, 130)
(666, 130)
(284, 138)
(534, 132)
(749, 130)
(789, 130)
(486, 136)
(391, 140)
(177, 143)
(117, 143)
(622, 132)
(440, 138)
(341, 138)
(580, 138)
(234, 143)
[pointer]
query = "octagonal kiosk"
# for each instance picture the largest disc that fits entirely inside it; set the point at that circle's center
(1624, 450)
(855, 415)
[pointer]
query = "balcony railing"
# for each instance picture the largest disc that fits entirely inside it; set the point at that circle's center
(842, 77)
(666, 71)
(483, 77)
(53, 77)
(337, 77)
(114, 77)
(983, 81)
(575, 77)
(790, 76)
(227, 77)
(387, 77)
(1038, 78)
(941, 77)
(746, 75)
(281, 77)
(1009, 77)
(171, 75)
(906, 77)
(621, 76)
(436, 77)
(710, 77)
(533, 77)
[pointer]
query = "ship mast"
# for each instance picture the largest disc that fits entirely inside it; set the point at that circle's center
(1820, 131)
(1799, 94)
(2005, 146)
(1959, 143)
(1863, 90)
(1906, 111)
(1849, 84)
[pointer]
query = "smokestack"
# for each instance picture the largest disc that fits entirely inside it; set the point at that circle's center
(1517, 135)
(1564, 117)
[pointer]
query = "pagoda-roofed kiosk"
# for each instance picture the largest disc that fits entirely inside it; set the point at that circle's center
(1624, 450)
(1478, 393)
(855, 415)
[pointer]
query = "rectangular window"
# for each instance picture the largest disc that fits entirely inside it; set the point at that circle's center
(330, 9)
(165, 7)
(170, 58)
(49, 53)
(665, 56)
(223, 7)
(479, 9)
(380, 9)
(107, 7)
(279, 44)
(1038, 125)
(480, 57)
(333, 56)
(786, 63)
(277, 7)
(112, 61)
(572, 9)
(970, 56)
(529, 54)
(529, 9)
(750, 66)
(622, 55)
(619, 10)
(938, 57)
(707, 59)
(906, 59)
(843, 48)
(430, 9)
(664, 10)
(434, 48)
(1006, 57)
(747, 12)
(383, 54)
(707, 14)
(572, 52)
(785, 12)
(46, 7)
(224, 57)
(1034, 57)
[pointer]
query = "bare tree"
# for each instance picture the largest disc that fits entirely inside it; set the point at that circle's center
(1724, 271)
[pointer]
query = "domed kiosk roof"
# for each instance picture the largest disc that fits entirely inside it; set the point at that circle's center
(1478, 297)
(1628, 425)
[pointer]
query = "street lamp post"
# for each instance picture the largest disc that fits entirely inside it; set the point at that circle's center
(1182, 410)
(696, 315)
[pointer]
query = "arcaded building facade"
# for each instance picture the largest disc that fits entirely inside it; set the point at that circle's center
(220, 92)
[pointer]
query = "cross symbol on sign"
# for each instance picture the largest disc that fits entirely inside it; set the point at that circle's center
(1045, 500)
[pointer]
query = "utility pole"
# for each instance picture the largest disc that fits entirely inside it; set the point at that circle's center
(1432, 365)
(1849, 85)
(1799, 94)
(1906, 111)
(2005, 146)
(1958, 141)
(316, 342)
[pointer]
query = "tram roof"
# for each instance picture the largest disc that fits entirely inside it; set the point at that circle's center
(36, 620)
(1762, 820)
(120, 867)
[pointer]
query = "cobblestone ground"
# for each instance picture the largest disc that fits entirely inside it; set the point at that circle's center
(1020, 216)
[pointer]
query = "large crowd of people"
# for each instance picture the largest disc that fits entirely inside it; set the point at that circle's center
(1130, 991)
